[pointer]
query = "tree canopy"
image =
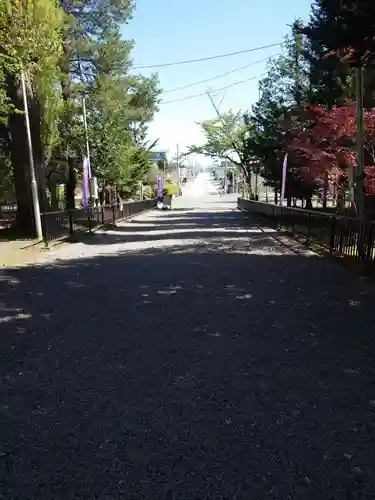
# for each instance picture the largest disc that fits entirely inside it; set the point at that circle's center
(70, 51)
(306, 106)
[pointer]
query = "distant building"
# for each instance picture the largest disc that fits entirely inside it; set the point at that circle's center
(159, 156)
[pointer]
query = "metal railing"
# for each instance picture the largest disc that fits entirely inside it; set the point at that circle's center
(66, 223)
(343, 236)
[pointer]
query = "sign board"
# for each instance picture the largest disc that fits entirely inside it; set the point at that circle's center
(157, 157)
(94, 188)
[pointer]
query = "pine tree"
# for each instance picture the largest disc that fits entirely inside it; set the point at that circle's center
(345, 27)
(96, 56)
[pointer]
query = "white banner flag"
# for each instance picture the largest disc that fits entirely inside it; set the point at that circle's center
(283, 178)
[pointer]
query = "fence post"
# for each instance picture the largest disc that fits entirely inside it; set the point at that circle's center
(341, 236)
(278, 215)
(332, 234)
(369, 241)
(89, 219)
(44, 228)
(309, 228)
(361, 241)
(71, 226)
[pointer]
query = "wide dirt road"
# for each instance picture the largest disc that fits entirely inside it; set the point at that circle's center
(187, 355)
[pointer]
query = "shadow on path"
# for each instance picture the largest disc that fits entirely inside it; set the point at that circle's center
(191, 225)
(214, 369)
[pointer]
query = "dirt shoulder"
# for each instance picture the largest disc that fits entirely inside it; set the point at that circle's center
(19, 253)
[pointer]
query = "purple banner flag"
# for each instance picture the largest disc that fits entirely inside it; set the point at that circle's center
(160, 187)
(85, 182)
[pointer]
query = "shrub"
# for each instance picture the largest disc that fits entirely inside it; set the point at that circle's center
(170, 188)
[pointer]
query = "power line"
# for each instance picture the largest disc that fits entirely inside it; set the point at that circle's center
(164, 65)
(183, 87)
(215, 90)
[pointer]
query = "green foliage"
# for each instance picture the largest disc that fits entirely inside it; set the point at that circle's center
(68, 50)
(6, 178)
(258, 138)
(345, 27)
(30, 40)
(115, 158)
(226, 137)
(30, 34)
(119, 104)
(223, 136)
(170, 188)
(152, 174)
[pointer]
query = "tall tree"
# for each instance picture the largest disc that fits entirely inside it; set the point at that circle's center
(92, 47)
(96, 62)
(330, 80)
(30, 41)
(341, 34)
(282, 92)
(345, 27)
(225, 138)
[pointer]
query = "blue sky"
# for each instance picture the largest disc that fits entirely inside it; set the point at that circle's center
(175, 30)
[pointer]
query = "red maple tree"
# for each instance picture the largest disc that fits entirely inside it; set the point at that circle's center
(323, 143)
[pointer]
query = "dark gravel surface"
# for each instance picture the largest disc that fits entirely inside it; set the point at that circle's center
(224, 366)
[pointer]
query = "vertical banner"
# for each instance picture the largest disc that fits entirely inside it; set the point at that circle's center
(85, 182)
(283, 179)
(160, 187)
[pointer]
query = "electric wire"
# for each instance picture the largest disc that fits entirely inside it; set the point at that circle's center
(201, 59)
(221, 75)
(214, 90)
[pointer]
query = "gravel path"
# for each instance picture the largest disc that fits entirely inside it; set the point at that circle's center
(186, 355)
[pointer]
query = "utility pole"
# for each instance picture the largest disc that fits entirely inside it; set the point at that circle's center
(85, 126)
(178, 166)
(86, 134)
(87, 146)
(225, 176)
(257, 183)
(34, 187)
(360, 171)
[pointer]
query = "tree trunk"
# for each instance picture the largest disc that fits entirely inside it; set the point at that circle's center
(340, 203)
(20, 157)
(53, 189)
(22, 180)
(246, 173)
(66, 86)
(70, 185)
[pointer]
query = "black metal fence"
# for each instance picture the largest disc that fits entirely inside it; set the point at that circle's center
(65, 223)
(344, 236)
